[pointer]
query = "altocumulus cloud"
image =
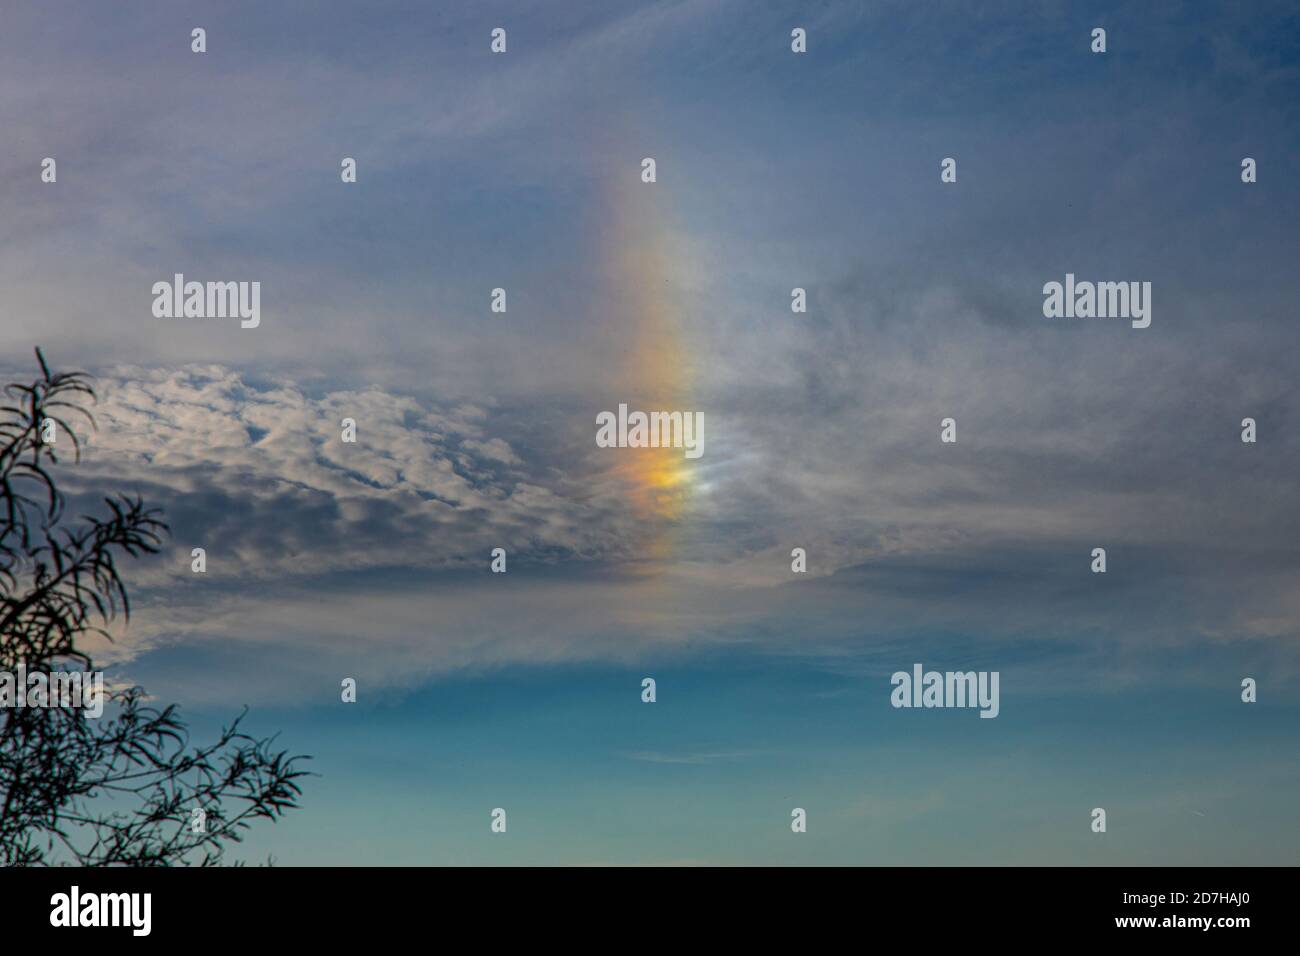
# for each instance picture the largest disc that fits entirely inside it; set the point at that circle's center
(315, 545)
(314, 542)
(263, 479)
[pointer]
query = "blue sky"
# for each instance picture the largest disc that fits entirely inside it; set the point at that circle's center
(710, 773)
(476, 429)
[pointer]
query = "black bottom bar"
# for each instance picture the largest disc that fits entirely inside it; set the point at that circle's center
(336, 905)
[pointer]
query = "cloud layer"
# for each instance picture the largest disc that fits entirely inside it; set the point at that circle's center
(475, 430)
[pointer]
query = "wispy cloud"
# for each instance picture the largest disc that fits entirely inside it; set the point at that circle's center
(692, 759)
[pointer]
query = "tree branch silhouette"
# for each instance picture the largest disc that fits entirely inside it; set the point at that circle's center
(117, 789)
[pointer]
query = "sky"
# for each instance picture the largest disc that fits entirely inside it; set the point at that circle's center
(476, 430)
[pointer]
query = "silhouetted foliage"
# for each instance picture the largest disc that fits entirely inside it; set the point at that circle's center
(118, 789)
